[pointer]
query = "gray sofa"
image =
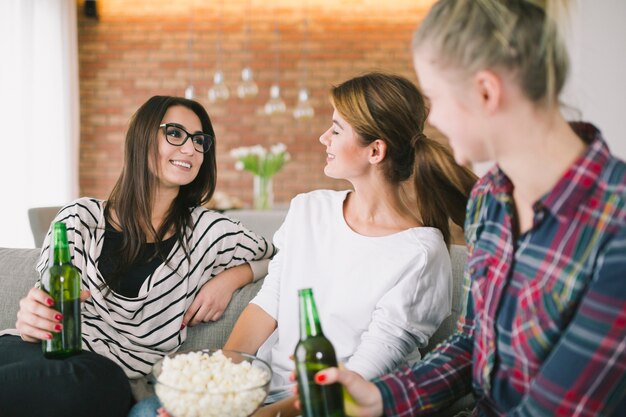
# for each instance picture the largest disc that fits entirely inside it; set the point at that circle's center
(17, 276)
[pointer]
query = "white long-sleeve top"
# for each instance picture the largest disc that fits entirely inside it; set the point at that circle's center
(377, 297)
(136, 332)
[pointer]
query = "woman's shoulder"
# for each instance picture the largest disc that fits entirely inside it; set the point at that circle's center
(203, 215)
(316, 204)
(319, 197)
(429, 241)
(87, 209)
(206, 220)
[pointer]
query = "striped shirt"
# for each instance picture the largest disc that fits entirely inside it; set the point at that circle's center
(136, 332)
(544, 330)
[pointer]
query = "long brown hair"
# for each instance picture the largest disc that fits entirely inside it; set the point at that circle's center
(390, 108)
(133, 194)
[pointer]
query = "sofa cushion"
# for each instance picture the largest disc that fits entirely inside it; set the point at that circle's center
(213, 335)
(17, 277)
(458, 258)
(262, 222)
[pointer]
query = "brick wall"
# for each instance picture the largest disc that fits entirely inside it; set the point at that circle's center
(138, 48)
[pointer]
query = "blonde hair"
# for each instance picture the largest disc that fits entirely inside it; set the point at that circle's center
(390, 108)
(519, 36)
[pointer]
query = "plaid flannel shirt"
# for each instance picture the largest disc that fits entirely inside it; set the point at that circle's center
(544, 328)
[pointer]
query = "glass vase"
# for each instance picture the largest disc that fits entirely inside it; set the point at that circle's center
(263, 197)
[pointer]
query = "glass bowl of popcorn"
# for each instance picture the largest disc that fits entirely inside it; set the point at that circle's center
(209, 383)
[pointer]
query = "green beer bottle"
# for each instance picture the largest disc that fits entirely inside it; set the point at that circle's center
(62, 281)
(313, 353)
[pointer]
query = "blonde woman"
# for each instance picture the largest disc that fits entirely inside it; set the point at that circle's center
(545, 325)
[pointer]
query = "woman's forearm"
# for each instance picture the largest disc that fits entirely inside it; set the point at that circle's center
(252, 328)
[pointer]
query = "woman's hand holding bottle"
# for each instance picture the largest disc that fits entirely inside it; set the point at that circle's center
(363, 399)
(37, 318)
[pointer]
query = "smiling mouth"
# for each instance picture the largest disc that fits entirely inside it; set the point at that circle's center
(181, 164)
(330, 156)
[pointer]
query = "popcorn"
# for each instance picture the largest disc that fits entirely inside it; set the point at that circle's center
(197, 384)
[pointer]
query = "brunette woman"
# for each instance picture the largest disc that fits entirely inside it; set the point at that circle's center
(149, 257)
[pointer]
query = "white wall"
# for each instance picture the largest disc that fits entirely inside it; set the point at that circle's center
(597, 83)
(38, 111)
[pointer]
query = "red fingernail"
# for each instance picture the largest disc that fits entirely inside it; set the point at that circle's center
(48, 336)
(182, 326)
(58, 317)
(320, 378)
(49, 301)
(58, 327)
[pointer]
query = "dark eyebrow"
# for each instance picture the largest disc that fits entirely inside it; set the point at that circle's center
(338, 124)
(184, 128)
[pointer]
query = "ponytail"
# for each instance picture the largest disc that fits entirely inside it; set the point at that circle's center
(442, 187)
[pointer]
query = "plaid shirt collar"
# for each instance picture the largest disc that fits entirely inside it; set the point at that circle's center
(565, 197)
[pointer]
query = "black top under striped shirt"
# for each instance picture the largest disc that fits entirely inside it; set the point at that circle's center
(133, 278)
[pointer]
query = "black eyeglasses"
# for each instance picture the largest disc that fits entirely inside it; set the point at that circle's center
(177, 136)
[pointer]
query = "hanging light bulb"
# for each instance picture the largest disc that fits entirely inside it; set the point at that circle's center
(189, 92)
(247, 88)
(218, 90)
(304, 109)
(275, 105)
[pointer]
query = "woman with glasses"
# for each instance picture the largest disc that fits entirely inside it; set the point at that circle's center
(152, 261)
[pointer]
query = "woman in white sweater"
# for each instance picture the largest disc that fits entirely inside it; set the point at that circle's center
(377, 260)
(149, 257)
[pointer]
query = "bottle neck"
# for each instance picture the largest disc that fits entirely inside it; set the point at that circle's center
(61, 255)
(61, 250)
(309, 320)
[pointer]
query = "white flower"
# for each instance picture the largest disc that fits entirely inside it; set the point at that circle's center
(241, 152)
(278, 148)
(258, 150)
(259, 160)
